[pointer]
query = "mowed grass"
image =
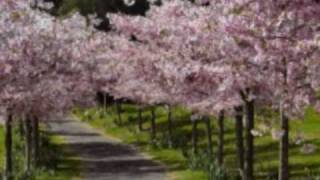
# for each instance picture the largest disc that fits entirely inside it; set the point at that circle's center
(57, 162)
(303, 166)
(60, 162)
(1, 146)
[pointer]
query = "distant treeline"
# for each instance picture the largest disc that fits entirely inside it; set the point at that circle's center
(101, 7)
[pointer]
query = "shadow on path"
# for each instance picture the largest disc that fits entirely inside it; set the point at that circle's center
(103, 158)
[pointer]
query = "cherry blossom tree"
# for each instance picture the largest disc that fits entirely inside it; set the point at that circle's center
(209, 57)
(283, 33)
(47, 65)
(182, 67)
(205, 57)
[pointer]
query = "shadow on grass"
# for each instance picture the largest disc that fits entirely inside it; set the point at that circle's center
(298, 170)
(62, 133)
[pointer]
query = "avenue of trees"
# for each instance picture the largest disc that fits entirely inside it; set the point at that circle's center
(216, 58)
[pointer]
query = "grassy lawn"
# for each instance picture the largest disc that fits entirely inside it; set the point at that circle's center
(60, 162)
(56, 161)
(266, 149)
(1, 147)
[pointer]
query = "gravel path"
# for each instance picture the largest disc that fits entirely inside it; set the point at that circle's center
(102, 157)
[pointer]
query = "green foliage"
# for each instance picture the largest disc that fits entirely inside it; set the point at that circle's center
(100, 7)
(84, 6)
(216, 173)
(1, 146)
(202, 161)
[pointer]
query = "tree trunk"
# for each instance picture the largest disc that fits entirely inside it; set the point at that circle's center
(35, 141)
(140, 122)
(194, 136)
(21, 128)
(28, 147)
(239, 139)
(119, 109)
(284, 147)
(153, 124)
(8, 149)
(284, 125)
(209, 136)
(170, 143)
(220, 142)
(249, 158)
(104, 104)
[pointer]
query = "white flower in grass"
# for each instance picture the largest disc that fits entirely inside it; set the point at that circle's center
(264, 127)
(195, 117)
(256, 133)
(298, 139)
(276, 134)
(308, 148)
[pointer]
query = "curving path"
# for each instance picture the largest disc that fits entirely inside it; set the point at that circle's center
(103, 158)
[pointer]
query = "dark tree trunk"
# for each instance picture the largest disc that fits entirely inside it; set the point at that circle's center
(153, 124)
(239, 139)
(8, 149)
(284, 147)
(28, 146)
(119, 109)
(284, 173)
(140, 121)
(104, 104)
(170, 143)
(21, 128)
(35, 141)
(194, 136)
(209, 136)
(220, 142)
(249, 158)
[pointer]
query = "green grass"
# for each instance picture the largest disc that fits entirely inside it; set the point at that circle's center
(1, 147)
(56, 161)
(60, 163)
(83, 6)
(266, 149)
